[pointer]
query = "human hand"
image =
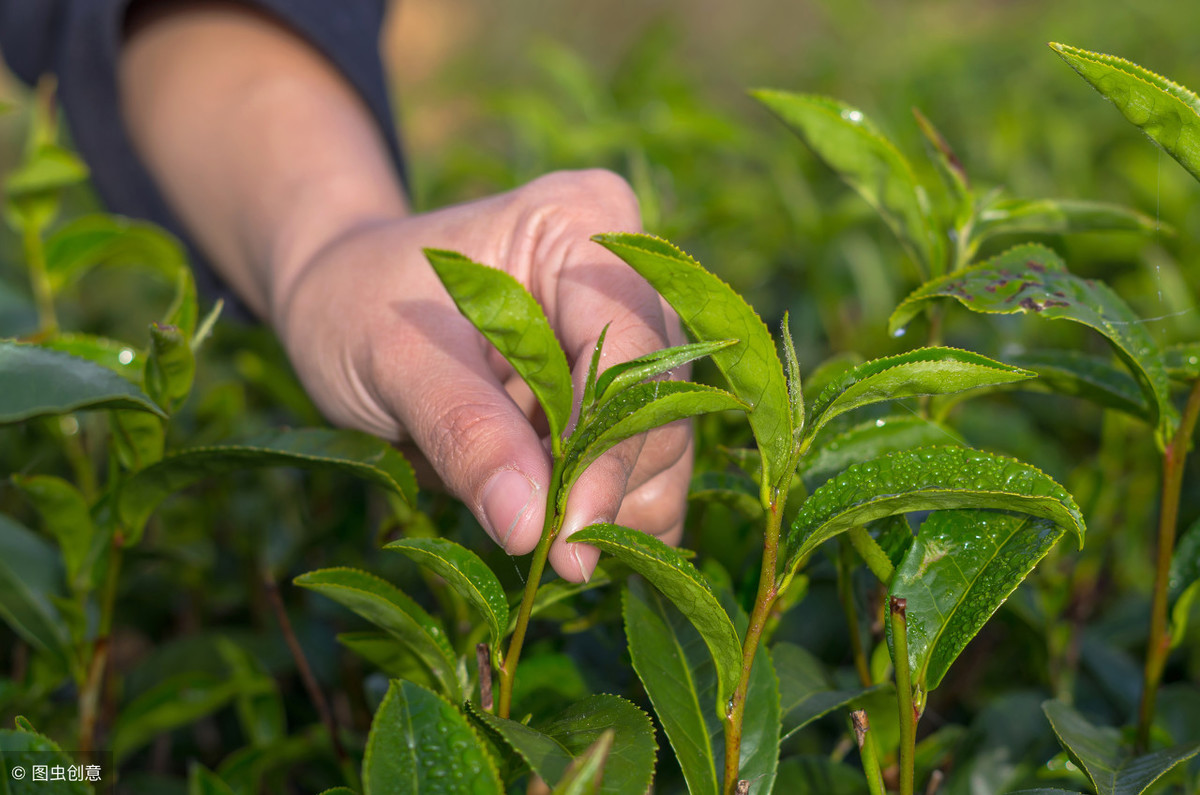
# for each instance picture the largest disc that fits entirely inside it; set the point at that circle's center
(381, 347)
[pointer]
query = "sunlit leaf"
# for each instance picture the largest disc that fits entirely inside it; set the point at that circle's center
(961, 567)
(931, 478)
(420, 744)
(465, 572)
(1164, 110)
(388, 608)
(680, 582)
(638, 409)
(38, 381)
(855, 148)
(1099, 750)
(552, 747)
(1034, 279)
(514, 322)
(711, 311)
(353, 452)
(925, 371)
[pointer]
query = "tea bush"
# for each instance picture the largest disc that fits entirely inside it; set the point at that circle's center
(864, 514)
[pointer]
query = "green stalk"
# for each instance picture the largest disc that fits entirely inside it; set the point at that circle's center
(1159, 642)
(39, 279)
(550, 528)
(908, 712)
(768, 592)
(868, 751)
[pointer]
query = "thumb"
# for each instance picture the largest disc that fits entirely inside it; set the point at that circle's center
(473, 433)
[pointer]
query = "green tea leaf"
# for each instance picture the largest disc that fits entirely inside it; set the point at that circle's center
(679, 675)
(20, 747)
(388, 608)
(586, 773)
(638, 409)
(308, 448)
(1059, 217)
(679, 581)
(202, 781)
(382, 650)
(962, 566)
(943, 156)
(711, 311)
(465, 572)
(1185, 562)
(1090, 377)
(85, 243)
(420, 744)
(117, 356)
(30, 577)
(170, 368)
(930, 478)
(854, 147)
(619, 377)
(553, 747)
(806, 691)
(795, 385)
(1034, 279)
(1099, 751)
(65, 514)
(1183, 361)
(40, 381)
(33, 189)
(925, 371)
(138, 438)
(588, 402)
(872, 439)
(175, 702)
(514, 322)
(259, 704)
(1165, 111)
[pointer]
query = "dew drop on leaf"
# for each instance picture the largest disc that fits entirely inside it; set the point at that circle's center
(900, 332)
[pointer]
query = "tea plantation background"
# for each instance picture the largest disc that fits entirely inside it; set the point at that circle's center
(490, 95)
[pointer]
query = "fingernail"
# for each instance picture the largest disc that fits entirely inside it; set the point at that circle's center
(582, 552)
(506, 500)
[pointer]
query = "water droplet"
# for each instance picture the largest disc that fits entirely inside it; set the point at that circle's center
(880, 423)
(729, 709)
(125, 356)
(900, 332)
(852, 115)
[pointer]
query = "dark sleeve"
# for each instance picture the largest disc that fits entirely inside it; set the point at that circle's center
(80, 40)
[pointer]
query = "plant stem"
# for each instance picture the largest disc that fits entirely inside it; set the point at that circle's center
(763, 601)
(305, 670)
(550, 528)
(39, 279)
(93, 680)
(908, 712)
(483, 657)
(1159, 642)
(868, 751)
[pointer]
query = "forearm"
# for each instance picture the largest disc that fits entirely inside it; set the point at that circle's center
(262, 149)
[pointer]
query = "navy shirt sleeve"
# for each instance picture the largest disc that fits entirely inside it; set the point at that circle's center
(80, 41)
